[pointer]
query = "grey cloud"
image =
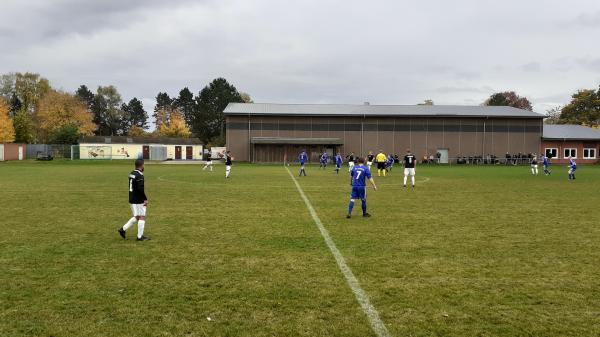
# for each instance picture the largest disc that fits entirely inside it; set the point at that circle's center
(531, 67)
(330, 51)
(590, 20)
(588, 63)
(483, 90)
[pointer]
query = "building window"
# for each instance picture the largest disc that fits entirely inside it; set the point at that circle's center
(570, 152)
(552, 152)
(589, 153)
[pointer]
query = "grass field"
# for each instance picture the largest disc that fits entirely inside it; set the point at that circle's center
(472, 251)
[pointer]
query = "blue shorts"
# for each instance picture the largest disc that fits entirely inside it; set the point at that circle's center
(338, 165)
(358, 192)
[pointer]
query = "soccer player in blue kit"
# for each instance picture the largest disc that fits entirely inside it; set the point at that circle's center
(546, 162)
(338, 163)
(303, 157)
(358, 176)
(572, 168)
(324, 160)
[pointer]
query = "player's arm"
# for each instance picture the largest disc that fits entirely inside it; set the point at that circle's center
(140, 186)
(373, 183)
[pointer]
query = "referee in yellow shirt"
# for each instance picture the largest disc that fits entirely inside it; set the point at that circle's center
(381, 158)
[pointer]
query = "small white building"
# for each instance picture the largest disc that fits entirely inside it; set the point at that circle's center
(150, 148)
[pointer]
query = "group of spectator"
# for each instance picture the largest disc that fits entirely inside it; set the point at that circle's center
(490, 159)
(431, 159)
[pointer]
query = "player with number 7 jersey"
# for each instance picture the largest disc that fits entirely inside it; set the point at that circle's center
(358, 176)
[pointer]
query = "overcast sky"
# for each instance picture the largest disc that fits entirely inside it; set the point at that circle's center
(384, 52)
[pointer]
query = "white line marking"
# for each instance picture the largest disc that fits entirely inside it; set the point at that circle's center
(362, 297)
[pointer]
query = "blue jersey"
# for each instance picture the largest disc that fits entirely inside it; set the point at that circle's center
(338, 160)
(546, 162)
(572, 164)
(359, 175)
(303, 158)
(324, 158)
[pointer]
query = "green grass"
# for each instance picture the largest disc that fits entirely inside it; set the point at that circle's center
(473, 251)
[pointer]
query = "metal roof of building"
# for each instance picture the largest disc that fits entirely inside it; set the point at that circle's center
(569, 131)
(272, 109)
(138, 140)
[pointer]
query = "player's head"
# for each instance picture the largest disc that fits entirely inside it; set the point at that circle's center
(228, 152)
(408, 151)
(360, 160)
(139, 164)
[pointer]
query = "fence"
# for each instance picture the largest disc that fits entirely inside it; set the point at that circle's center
(54, 150)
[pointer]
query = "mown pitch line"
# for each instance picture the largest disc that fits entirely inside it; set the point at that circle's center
(362, 297)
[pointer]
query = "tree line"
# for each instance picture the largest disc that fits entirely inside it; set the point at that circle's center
(31, 111)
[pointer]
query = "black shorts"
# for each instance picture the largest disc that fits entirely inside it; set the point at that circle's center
(381, 166)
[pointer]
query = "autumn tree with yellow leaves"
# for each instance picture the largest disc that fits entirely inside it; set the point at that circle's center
(7, 130)
(59, 110)
(172, 124)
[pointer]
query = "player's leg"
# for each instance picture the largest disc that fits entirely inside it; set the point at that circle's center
(227, 171)
(129, 223)
(536, 170)
(141, 211)
(532, 170)
(412, 176)
(350, 207)
(211, 166)
(406, 171)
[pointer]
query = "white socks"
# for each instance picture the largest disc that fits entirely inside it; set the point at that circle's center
(405, 180)
(141, 224)
(412, 178)
(129, 223)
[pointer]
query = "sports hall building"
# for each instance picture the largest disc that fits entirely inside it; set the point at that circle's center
(264, 132)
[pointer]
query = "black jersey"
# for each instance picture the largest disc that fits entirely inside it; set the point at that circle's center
(208, 157)
(350, 158)
(370, 157)
(409, 160)
(228, 160)
(534, 161)
(136, 188)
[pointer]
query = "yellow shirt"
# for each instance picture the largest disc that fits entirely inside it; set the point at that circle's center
(381, 158)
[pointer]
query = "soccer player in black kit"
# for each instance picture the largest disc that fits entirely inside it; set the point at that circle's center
(410, 161)
(370, 158)
(137, 200)
(228, 159)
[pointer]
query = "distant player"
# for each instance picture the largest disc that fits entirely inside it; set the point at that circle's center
(137, 201)
(350, 158)
(338, 163)
(410, 162)
(358, 175)
(370, 158)
(534, 165)
(324, 160)
(546, 163)
(381, 158)
(208, 163)
(572, 168)
(228, 163)
(303, 158)
(390, 163)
